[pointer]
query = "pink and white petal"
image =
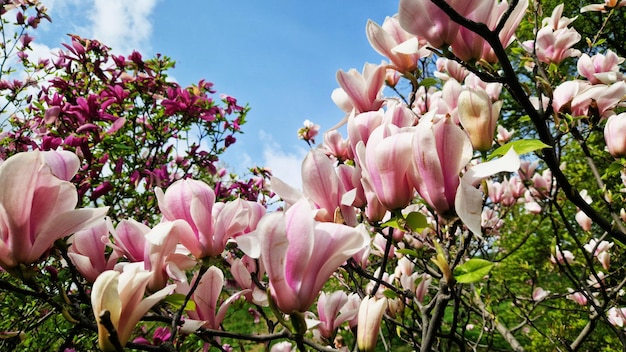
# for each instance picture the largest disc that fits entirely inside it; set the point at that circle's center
(469, 199)
(221, 313)
(62, 225)
(301, 237)
(63, 164)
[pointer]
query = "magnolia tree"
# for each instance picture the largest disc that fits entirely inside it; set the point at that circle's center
(471, 197)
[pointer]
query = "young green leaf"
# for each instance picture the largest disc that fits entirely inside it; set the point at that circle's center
(473, 270)
(177, 300)
(416, 221)
(521, 146)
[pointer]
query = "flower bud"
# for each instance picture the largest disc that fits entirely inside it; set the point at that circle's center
(370, 315)
(615, 135)
(478, 116)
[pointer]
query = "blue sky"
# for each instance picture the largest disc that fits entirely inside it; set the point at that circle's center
(280, 57)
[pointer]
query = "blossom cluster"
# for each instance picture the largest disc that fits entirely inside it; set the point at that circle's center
(406, 205)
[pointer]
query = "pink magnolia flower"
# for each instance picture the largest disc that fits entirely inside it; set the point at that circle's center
(447, 69)
(583, 220)
(282, 346)
(600, 68)
(399, 115)
(469, 45)
(161, 256)
(351, 176)
(539, 294)
(300, 254)
(493, 89)
(37, 208)
(87, 251)
(617, 316)
(554, 40)
(554, 46)
(503, 135)
(561, 256)
(605, 259)
(594, 247)
(425, 20)
(361, 126)
(600, 250)
(331, 312)
(122, 295)
(212, 223)
(597, 280)
(384, 39)
(192, 201)
(577, 297)
(308, 132)
(321, 184)
(556, 20)
(445, 101)
(608, 4)
(206, 297)
(479, 117)
(360, 92)
(243, 270)
(386, 167)
(370, 315)
(63, 164)
(129, 239)
(440, 151)
(615, 135)
(422, 287)
(500, 192)
(338, 147)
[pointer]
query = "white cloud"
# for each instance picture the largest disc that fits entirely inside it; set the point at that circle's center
(284, 165)
(122, 25)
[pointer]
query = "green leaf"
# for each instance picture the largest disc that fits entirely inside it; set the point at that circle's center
(521, 146)
(393, 222)
(407, 251)
(427, 82)
(416, 221)
(614, 169)
(389, 294)
(473, 270)
(177, 300)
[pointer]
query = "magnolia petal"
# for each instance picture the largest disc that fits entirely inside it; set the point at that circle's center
(141, 309)
(334, 244)
(129, 236)
(320, 181)
(84, 265)
(105, 297)
(190, 326)
(353, 85)
(232, 220)
(250, 244)
(301, 237)
(469, 200)
(286, 192)
(63, 164)
(371, 312)
(207, 294)
(221, 313)
(62, 225)
(409, 47)
(342, 100)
